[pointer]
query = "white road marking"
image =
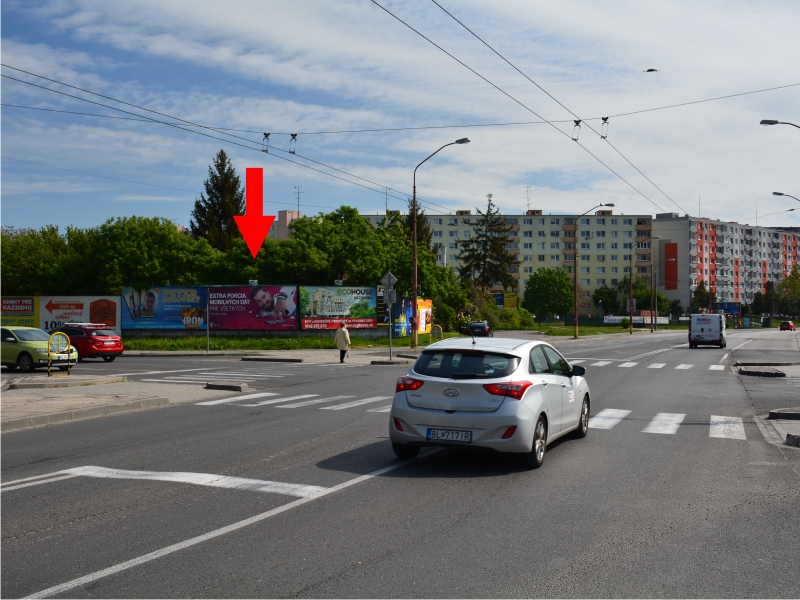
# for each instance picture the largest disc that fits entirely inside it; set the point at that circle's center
(740, 345)
(355, 403)
(145, 558)
(195, 381)
(722, 360)
(276, 401)
(602, 363)
(607, 418)
(206, 479)
(684, 366)
(726, 427)
(716, 367)
(156, 372)
(8, 487)
(382, 409)
(236, 399)
(317, 401)
(656, 365)
(666, 423)
(575, 362)
(231, 375)
(649, 353)
(628, 365)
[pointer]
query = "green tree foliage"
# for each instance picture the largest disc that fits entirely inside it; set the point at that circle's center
(212, 217)
(701, 298)
(606, 298)
(485, 258)
(641, 293)
(675, 309)
(549, 291)
(424, 233)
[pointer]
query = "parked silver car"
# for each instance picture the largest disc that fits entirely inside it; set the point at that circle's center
(505, 394)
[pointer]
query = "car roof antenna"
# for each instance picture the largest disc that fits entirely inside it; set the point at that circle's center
(472, 333)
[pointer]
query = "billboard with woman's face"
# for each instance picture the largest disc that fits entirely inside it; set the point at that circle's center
(262, 307)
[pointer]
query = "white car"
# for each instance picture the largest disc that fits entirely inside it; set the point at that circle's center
(505, 394)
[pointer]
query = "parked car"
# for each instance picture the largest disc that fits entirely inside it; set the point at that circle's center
(93, 340)
(481, 328)
(508, 395)
(788, 326)
(27, 348)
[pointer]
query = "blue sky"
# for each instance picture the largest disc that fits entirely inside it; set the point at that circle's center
(306, 67)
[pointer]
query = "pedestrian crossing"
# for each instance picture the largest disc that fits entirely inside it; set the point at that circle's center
(719, 426)
(276, 400)
(252, 375)
(630, 365)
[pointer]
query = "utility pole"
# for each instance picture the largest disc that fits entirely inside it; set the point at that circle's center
(527, 195)
(297, 188)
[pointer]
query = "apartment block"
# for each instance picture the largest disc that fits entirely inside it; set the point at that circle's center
(732, 259)
(604, 246)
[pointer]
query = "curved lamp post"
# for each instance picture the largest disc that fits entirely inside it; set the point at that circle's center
(414, 315)
(787, 195)
(773, 122)
(575, 273)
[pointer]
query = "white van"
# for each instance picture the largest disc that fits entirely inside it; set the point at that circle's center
(707, 330)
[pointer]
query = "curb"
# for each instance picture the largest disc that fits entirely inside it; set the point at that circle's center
(81, 413)
(790, 414)
(793, 440)
(744, 363)
(230, 387)
(187, 353)
(414, 356)
(271, 359)
(390, 362)
(762, 372)
(38, 385)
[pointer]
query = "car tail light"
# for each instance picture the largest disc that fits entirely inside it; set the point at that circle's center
(397, 424)
(509, 432)
(407, 383)
(515, 389)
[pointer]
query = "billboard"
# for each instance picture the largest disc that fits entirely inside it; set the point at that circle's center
(166, 307)
(260, 307)
(733, 308)
(425, 312)
(22, 311)
(325, 307)
(54, 311)
(402, 316)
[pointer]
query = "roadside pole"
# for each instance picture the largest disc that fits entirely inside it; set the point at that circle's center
(389, 298)
(208, 324)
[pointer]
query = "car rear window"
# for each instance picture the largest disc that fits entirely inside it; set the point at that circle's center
(32, 335)
(465, 364)
(102, 332)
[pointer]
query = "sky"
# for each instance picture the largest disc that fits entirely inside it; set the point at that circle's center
(314, 66)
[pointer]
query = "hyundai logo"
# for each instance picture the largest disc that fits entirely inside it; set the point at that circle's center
(451, 392)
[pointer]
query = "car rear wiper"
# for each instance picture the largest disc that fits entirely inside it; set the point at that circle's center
(469, 375)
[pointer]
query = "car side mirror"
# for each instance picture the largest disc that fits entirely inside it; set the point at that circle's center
(578, 370)
(9, 339)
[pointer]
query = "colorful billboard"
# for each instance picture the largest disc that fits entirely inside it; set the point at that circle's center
(261, 307)
(22, 311)
(425, 312)
(167, 307)
(54, 311)
(325, 307)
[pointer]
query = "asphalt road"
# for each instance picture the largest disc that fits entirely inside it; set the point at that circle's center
(623, 512)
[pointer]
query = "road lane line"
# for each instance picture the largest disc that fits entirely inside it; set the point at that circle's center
(575, 362)
(722, 360)
(627, 365)
(382, 409)
(666, 423)
(134, 562)
(156, 372)
(607, 418)
(684, 367)
(716, 367)
(657, 365)
(602, 363)
(8, 487)
(740, 345)
(236, 399)
(726, 427)
(649, 353)
(317, 401)
(276, 401)
(356, 403)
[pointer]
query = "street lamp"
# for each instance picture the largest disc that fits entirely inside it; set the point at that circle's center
(414, 315)
(630, 280)
(787, 195)
(575, 273)
(772, 122)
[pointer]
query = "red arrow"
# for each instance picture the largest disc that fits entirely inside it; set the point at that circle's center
(63, 305)
(254, 225)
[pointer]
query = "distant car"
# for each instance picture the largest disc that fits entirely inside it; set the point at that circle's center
(788, 326)
(93, 340)
(507, 395)
(481, 328)
(26, 348)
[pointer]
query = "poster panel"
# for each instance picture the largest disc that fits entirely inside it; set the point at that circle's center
(54, 311)
(259, 307)
(324, 307)
(22, 311)
(425, 312)
(382, 309)
(165, 307)
(402, 317)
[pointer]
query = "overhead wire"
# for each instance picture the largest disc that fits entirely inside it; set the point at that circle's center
(502, 91)
(513, 66)
(183, 127)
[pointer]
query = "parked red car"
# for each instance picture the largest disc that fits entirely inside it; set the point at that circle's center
(788, 326)
(93, 340)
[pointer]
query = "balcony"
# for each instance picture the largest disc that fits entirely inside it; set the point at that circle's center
(569, 238)
(647, 227)
(569, 227)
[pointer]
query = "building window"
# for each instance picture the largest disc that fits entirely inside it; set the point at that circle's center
(453, 258)
(586, 234)
(614, 258)
(601, 258)
(540, 246)
(585, 257)
(541, 258)
(613, 221)
(585, 245)
(613, 269)
(437, 221)
(601, 282)
(554, 233)
(527, 221)
(569, 257)
(601, 234)
(437, 233)
(527, 246)
(614, 233)
(542, 234)
(627, 221)
(466, 234)
(555, 258)
(453, 246)
(585, 270)
(511, 222)
(601, 270)
(453, 233)
(527, 234)
(613, 245)
(601, 246)
(601, 221)
(627, 234)
(540, 221)
(554, 246)
(585, 221)
(554, 221)
(527, 258)
(584, 282)
(527, 269)
(614, 282)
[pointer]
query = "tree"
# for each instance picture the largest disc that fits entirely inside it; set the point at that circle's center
(605, 297)
(549, 291)
(675, 309)
(212, 217)
(701, 298)
(485, 258)
(424, 233)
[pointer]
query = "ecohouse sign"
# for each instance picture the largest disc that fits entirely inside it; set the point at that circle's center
(324, 307)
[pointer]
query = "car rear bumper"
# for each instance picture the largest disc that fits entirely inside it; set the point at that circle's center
(98, 353)
(487, 427)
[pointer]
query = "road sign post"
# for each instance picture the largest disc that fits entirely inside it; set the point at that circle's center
(389, 297)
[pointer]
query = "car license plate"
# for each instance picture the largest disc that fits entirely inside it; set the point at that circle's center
(449, 435)
(62, 357)
(109, 343)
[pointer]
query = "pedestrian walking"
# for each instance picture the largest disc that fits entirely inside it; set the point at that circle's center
(342, 341)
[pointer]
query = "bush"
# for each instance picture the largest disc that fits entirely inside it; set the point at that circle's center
(509, 319)
(625, 323)
(526, 319)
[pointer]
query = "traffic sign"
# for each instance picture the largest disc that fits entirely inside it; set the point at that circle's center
(389, 279)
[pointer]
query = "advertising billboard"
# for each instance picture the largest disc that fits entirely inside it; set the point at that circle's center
(425, 312)
(260, 307)
(22, 311)
(324, 307)
(54, 311)
(166, 307)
